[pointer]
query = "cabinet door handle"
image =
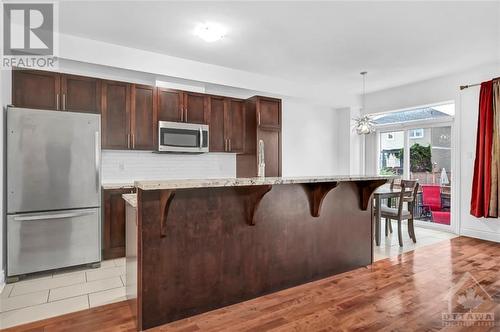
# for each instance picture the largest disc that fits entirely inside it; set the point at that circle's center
(182, 114)
(128, 141)
(57, 101)
(229, 143)
(225, 144)
(133, 141)
(64, 102)
(258, 118)
(186, 114)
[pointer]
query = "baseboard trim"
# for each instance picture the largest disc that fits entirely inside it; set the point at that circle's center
(478, 234)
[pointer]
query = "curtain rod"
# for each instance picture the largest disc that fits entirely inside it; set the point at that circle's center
(476, 84)
(468, 86)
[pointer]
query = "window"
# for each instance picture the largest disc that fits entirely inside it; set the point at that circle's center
(416, 133)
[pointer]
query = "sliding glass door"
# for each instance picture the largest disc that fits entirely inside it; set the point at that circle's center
(424, 154)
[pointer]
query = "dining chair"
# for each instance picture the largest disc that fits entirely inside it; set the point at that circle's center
(408, 195)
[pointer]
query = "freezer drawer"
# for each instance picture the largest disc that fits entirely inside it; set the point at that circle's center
(51, 240)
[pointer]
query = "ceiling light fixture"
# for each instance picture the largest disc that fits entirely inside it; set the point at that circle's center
(210, 32)
(364, 125)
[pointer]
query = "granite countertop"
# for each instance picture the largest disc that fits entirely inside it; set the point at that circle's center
(236, 182)
(130, 199)
(122, 185)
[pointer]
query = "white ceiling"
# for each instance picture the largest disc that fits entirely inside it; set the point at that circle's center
(324, 44)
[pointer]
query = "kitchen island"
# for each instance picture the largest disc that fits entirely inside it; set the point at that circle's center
(205, 244)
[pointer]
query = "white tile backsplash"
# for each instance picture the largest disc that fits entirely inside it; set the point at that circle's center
(129, 166)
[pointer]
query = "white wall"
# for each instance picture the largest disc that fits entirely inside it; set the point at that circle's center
(309, 140)
(466, 102)
(129, 166)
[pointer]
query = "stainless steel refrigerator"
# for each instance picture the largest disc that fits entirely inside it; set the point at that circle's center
(53, 190)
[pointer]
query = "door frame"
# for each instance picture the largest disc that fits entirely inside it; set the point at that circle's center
(405, 127)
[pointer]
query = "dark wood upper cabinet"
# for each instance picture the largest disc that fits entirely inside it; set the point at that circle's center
(115, 115)
(217, 112)
(262, 122)
(235, 125)
(195, 108)
(170, 105)
(80, 94)
(227, 124)
(144, 123)
(36, 89)
(269, 112)
(130, 112)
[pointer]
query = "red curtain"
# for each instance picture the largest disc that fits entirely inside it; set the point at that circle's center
(481, 183)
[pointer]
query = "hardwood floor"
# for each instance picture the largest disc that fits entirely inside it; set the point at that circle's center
(405, 293)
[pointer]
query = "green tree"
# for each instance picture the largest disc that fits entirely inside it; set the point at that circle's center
(420, 158)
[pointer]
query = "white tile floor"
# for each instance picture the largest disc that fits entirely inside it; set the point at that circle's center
(389, 246)
(49, 295)
(61, 292)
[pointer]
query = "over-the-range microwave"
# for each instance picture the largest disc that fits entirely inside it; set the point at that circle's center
(181, 137)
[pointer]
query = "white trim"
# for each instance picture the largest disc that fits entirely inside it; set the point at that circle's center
(435, 226)
(483, 235)
(2, 280)
(416, 124)
(451, 101)
(406, 155)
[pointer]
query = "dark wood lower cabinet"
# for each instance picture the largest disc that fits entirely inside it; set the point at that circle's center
(113, 220)
(205, 248)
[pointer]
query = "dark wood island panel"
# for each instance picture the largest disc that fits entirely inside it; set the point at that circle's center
(204, 248)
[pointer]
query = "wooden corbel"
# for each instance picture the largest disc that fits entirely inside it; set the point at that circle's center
(166, 197)
(316, 193)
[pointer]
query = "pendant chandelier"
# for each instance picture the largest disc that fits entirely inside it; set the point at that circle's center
(364, 125)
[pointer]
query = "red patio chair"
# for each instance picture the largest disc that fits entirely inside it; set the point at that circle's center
(441, 217)
(431, 197)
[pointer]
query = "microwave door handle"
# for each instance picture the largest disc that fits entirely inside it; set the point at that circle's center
(201, 138)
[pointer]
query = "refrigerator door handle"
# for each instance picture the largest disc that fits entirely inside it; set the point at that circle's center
(54, 216)
(97, 160)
